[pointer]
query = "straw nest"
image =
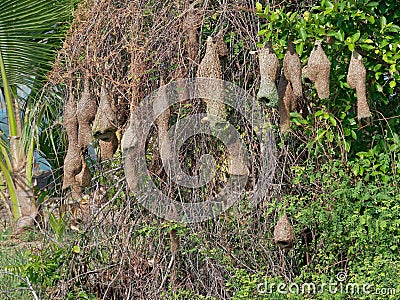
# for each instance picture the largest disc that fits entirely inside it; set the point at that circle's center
(70, 119)
(292, 70)
(191, 25)
(237, 164)
(284, 233)
(72, 161)
(108, 147)
(222, 49)
(210, 67)
(269, 71)
(318, 70)
(356, 80)
(287, 102)
(105, 121)
(162, 122)
(72, 165)
(84, 177)
(86, 112)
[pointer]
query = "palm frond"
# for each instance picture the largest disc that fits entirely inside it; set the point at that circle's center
(30, 35)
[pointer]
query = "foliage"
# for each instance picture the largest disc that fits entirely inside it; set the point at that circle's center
(369, 27)
(338, 180)
(355, 227)
(29, 40)
(343, 190)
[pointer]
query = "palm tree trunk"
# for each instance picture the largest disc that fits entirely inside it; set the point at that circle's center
(24, 209)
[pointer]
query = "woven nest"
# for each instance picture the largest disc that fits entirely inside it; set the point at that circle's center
(269, 71)
(318, 70)
(105, 121)
(210, 67)
(284, 233)
(108, 147)
(70, 119)
(222, 49)
(73, 161)
(72, 165)
(292, 70)
(287, 101)
(356, 80)
(162, 122)
(84, 177)
(237, 164)
(191, 25)
(86, 112)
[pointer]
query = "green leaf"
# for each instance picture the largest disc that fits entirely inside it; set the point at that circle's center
(377, 67)
(268, 35)
(356, 36)
(258, 7)
(373, 4)
(383, 22)
(354, 135)
(393, 68)
(332, 119)
(396, 137)
(340, 35)
(394, 28)
(303, 34)
(320, 134)
(76, 249)
(11, 189)
(300, 48)
(392, 84)
(347, 146)
(27, 38)
(262, 32)
(329, 5)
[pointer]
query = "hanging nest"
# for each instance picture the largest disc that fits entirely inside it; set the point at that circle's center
(269, 71)
(72, 165)
(76, 191)
(182, 90)
(104, 124)
(72, 161)
(356, 80)
(287, 100)
(86, 112)
(222, 49)
(318, 70)
(108, 147)
(84, 177)
(69, 118)
(210, 67)
(162, 122)
(284, 233)
(292, 71)
(237, 164)
(191, 25)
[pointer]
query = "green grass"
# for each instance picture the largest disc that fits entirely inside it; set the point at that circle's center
(12, 255)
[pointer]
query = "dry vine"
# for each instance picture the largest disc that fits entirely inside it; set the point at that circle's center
(118, 52)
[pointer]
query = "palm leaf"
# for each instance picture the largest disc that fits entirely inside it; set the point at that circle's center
(30, 35)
